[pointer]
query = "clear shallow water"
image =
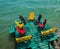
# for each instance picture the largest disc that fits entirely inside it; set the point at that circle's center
(11, 9)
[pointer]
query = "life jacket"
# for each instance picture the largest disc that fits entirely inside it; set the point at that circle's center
(42, 25)
(21, 31)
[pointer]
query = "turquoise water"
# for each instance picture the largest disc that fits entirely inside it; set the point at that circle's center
(11, 9)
